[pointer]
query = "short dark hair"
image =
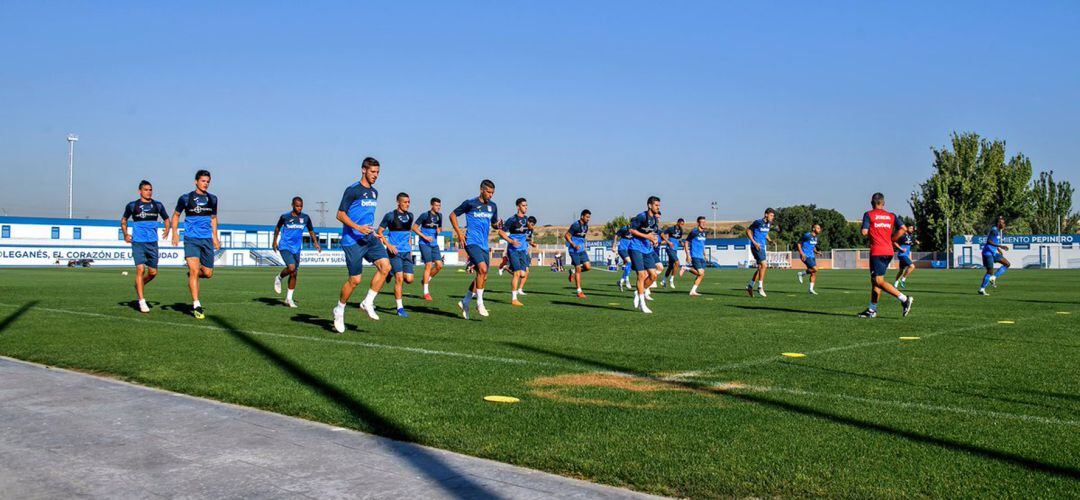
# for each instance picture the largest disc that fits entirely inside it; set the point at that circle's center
(652, 199)
(585, 212)
(520, 201)
(435, 200)
(144, 182)
(202, 173)
(769, 211)
(531, 220)
(700, 218)
(680, 220)
(486, 183)
(402, 194)
(369, 162)
(296, 199)
(877, 199)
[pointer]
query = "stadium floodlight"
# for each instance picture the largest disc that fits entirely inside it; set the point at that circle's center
(715, 206)
(71, 138)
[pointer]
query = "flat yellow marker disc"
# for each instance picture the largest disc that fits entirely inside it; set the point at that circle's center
(909, 338)
(612, 303)
(1064, 312)
(1006, 322)
(501, 399)
(710, 298)
(793, 354)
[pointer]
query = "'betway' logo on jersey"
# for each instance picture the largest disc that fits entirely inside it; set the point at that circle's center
(294, 226)
(888, 221)
(480, 212)
(198, 209)
(369, 203)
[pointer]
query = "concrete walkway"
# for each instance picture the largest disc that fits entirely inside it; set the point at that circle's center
(64, 434)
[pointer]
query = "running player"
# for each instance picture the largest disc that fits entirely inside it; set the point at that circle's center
(992, 252)
(644, 228)
(291, 226)
(517, 248)
(575, 247)
(199, 208)
(399, 223)
(694, 244)
(528, 261)
(144, 213)
(621, 246)
(883, 228)
(672, 237)
(481, 215)
(758, 232)
(360, 242)
(903, 254)
(427, 229)
(808, 253)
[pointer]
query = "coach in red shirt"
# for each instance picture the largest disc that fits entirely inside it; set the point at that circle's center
(883, 228)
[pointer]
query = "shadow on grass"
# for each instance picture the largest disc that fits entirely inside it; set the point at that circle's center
(799, 409)
(134, 304)
(1039, 301)
(324, 323)
(590, 306)
(180, 307)
(1015, 341)
(424, 461)
(790, 310)
(1058, 395)
(432, 311)
(270, 301)
(11, 318)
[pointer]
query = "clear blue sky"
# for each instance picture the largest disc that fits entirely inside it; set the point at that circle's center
(570, 104)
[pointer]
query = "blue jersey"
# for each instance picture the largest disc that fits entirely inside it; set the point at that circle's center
(697, 243)
(398, 229)
(144, 215)
(359, 204)
(518, 227)
(198, 209)
(808, 243)
(578, 230)
(480, 217)
(292, 231)
(674, 237)
(430, 224)
(994, 236)
(760, 230)
(647, 224)
(624, 237)
(905, 243)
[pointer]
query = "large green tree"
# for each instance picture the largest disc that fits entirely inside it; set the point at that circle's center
(793, 221)
(1052, 206)
(613, 225)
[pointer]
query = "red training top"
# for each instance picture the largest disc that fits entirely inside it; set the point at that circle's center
(881, 224)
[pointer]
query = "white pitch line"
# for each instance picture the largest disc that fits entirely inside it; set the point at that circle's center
(371, 345)
(728, 387)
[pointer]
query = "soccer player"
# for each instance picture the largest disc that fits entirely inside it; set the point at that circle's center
(481, 215)
(528, 259)
(992, 252)
(291, 226)
(517, 247)
(883, 228)
(672, 237)
(644, 228)
(694, 244)
(359, 241)
(399, 223)
(200, 235)
(427, 229)
(621, 246)
(903, 253)
(808, 253)
(575, 247)
(144, 213)
(758, 232)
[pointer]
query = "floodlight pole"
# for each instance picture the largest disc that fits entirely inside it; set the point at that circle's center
(714, 206)
(71, 138)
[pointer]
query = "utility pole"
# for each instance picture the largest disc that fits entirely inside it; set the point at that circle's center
(322, 213)
(71, 138)
(714, 205)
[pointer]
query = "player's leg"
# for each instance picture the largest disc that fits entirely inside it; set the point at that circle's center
(813, 271)
(988, 265)
(1005, 264)
(140, 269)
(354, 262)
(481, 281)
(880, 267)
(193, 285)
(515, 281)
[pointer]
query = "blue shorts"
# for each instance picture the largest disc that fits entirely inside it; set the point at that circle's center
(810, 262)
(879, 264)
(990, 259)
(698, 263)
(905, 260)
(672, 256)
(401, 263)
(355, 255)
(430, 253)
(519, 261)
(200, 248)
(642, 261)
(624, 253)
(145, 253)
(477, 255)
(759, 254)
(579, 258)
(290, 258)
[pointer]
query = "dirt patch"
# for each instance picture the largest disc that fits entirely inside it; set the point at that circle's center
(561, 387)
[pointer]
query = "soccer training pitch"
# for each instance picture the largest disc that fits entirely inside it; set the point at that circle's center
(694, 400)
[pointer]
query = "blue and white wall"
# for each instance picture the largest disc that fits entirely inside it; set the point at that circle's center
(1044, 251)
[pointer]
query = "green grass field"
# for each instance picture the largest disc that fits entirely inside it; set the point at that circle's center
(694, 400)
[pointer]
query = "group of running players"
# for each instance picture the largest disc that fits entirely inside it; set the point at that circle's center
(387, 246)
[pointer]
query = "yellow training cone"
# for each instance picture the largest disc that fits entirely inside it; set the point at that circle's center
(501, 399)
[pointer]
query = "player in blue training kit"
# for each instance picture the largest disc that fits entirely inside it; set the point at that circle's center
(644, 227)
(992, 252)
(359, 241)
(200, 235)
(621, 246)
(427, 229)
(575, 248)
(758, 232)
(672, 238)
(144, 213)
(903, 254)
(481, 215)
(291, 226)
(808, 253)
(528, 267)
(399, 224)
(694, 244)
(517, 248)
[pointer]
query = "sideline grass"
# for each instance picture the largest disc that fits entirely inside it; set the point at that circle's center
(694, 400)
